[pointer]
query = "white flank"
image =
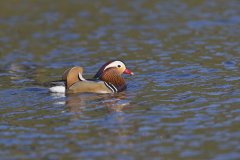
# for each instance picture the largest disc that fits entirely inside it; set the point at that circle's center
(58, 89)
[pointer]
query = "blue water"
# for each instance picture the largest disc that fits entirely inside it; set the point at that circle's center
(182, 103)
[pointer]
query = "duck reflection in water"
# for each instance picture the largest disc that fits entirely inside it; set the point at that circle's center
(89, 101)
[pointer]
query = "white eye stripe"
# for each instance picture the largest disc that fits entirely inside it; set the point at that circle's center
(115, 64)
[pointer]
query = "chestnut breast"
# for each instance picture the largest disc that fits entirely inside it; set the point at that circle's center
(112, 76)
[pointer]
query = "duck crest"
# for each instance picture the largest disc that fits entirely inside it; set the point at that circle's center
(113, 80)
(101, 70)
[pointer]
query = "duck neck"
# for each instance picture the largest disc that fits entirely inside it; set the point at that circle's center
(112, 77)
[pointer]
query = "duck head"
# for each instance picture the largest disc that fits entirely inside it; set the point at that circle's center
(117, 66)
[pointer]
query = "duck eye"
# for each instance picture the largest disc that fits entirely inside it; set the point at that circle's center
(119, 66)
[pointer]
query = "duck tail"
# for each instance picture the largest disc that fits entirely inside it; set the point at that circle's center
(57, 86)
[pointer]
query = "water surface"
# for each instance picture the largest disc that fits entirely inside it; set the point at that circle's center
(182, 103)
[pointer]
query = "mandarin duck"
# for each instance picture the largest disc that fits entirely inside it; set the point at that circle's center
(108, 79)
